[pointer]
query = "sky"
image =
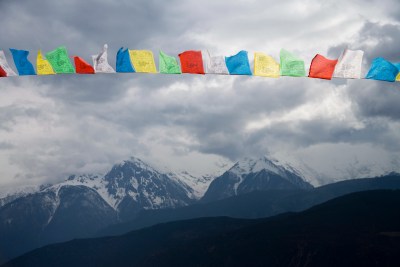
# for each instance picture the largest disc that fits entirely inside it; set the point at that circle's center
(54, 126)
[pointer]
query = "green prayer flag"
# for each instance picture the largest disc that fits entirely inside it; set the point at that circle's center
(291, 65)
(59, 60)
(168, 64)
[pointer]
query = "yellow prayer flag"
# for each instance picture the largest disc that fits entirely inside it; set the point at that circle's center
(398, 77)
(265, 65)
(43, 66)
(143, 61)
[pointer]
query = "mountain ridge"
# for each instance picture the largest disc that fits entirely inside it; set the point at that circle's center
(256, 204)
(129, 190)
(357, 229)
(252, 174)
(54, 213)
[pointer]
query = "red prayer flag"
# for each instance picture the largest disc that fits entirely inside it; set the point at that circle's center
(191, 62)
(2, 72)
(82, 67)
(322, 68)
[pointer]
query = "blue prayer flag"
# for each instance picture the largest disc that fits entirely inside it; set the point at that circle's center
(382, 70)
(124, 61)
(22, 63)
(238, 64)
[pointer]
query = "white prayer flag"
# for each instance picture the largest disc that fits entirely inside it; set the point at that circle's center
(100, 62)
(4, 65)
(349, 64)
(215, 64)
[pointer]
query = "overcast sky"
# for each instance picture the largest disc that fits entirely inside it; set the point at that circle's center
(54, 126)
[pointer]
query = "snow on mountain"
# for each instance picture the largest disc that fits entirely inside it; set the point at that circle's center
(337, 169)
(198, 185)
(145, 185)
(256, 165)
(10, 195)
(131, 185)
(94, 181)
(252, 174)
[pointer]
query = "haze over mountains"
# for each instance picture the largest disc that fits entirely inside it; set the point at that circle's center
(133, 194)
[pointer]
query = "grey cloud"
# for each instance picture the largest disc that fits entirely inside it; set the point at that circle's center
(376, 99)
(84, 26)
(384, 38)
(9, 115)
(6, 146)
(376, 40)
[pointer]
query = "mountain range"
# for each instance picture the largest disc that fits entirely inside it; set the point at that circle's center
(82, 205)
(256, 204)
(134, 194)
(359, 229)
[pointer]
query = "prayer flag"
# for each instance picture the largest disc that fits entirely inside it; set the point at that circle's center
(291, 65)
(322, 68)
(123, 61)
(168, 64)
(143, 61)
(43, 66)
(22, 63)
(4, 65)
(398, 75)
(215, 64)
(349, 64)
(265, 65)
(82, 67)
(100, 62)
(238, 64)
(191, 62)
(2, 72)
(382, 70)
(59, 60)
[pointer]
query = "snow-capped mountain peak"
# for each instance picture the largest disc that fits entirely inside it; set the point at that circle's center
(252, 174)
(254, 165)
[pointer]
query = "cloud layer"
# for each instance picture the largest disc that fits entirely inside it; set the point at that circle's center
(53, 126)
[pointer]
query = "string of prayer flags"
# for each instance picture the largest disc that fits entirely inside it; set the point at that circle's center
(23, 65)
(291, 65)
(59, 60)
(215, 64)
(143, 61)
(266, 66)
(82, 67)
(192, 62)
(43, 66)
(4, 66)
(382, 70)
(168, 64)
(123, 63)
(238, 64)
(322, 67)
(349, 64)
(100, 62)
